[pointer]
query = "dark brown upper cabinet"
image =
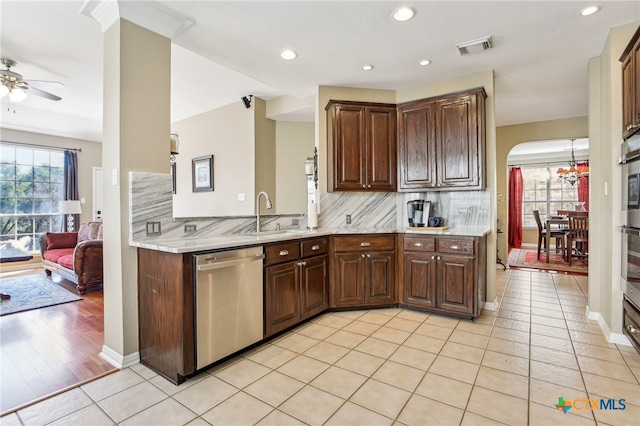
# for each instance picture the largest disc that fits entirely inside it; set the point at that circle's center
(631, 86)
(441, 142)
(362, 140)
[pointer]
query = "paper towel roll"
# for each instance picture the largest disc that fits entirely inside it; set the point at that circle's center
(312, 216)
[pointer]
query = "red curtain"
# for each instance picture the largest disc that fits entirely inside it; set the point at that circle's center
(583, 186)
(515, 207)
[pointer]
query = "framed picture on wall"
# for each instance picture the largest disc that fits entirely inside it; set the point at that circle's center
(633, 191)
(202, 174)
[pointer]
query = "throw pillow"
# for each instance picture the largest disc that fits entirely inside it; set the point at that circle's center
(56, 240)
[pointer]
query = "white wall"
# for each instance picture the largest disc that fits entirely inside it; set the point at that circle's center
(228, 134)
(294, 143)
(605, 137)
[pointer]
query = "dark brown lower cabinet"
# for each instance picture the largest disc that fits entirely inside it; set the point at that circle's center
(445, 274)
(363, 270)
(297, 289)
(166, 313)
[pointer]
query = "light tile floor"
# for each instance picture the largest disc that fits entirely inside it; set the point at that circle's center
(390, 366)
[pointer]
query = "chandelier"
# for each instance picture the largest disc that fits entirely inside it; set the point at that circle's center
(572, 174)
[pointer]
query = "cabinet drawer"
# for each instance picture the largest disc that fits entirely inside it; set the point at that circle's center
(282, 252)
(419, 243)
(455, 245)
(365, 242)
(314, 246)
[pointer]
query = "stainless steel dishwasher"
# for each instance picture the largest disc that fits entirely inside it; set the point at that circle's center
(228, 303)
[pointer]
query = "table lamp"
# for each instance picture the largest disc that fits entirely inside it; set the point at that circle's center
(70, 207)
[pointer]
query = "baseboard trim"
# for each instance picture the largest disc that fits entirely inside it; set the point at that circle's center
(491, 306)
(117, 360)
(616, 338)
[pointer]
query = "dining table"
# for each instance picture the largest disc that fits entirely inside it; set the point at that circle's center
(558, 220)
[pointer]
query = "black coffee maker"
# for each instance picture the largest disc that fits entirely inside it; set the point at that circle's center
(418, 213)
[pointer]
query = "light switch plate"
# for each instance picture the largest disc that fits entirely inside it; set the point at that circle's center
(348, 219)
(241, 197)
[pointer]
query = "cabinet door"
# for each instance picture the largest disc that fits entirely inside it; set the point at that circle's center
(420, 279)
(455, 290)
(379, 278)
(628, 92)
(281, 297)
(417, 146)
(314, 297)
(459, 142)
(381, 148)
(348, 280)
(349, 147)
(636, 86)
(166, 313)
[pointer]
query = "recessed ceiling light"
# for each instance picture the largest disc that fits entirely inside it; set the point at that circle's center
(403, 14)
(424, 62)
(589, 10)
(288, 54)
(366, 67)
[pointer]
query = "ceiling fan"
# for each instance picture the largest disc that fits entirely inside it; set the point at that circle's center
(16, 87)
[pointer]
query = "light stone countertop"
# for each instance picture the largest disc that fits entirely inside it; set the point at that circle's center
(193, 244)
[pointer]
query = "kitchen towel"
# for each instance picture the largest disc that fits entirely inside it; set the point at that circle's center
(312, 216)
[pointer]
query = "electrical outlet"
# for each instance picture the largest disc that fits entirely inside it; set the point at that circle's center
(348, 219)
(153, 228)
(294, 222)
(190, 228)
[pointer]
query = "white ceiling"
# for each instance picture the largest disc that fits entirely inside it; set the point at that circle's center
(540, 55)
(548, 151)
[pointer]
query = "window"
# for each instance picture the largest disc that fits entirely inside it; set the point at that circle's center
(31, 186)
(543, 192)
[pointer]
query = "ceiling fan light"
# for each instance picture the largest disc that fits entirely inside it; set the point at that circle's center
(17, 95)
(4, 90)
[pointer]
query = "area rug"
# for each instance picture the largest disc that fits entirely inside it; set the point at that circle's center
(522, 258)
(32, 292)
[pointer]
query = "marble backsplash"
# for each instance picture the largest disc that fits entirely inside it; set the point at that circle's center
(151, 200)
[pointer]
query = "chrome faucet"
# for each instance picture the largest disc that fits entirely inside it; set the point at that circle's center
(269, 205)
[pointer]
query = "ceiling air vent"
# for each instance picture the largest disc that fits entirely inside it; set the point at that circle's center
(475, 46)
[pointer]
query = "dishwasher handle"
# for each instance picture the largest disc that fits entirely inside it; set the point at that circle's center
(227, 263)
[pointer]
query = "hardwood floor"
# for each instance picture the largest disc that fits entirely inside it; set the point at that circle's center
(46, 350)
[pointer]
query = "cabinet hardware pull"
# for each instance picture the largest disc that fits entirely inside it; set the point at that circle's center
(433, 257)
(314, 248)
(632, 329)
(368, 254)
(368, 186)
(362, 255)
(284, 252)
(303, 263)
(455, 247)
(364, 186)
(439, 258)
(418, 244)
(365, 244)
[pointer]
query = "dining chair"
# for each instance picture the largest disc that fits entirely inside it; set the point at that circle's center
(558, 234)
(578, 234)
